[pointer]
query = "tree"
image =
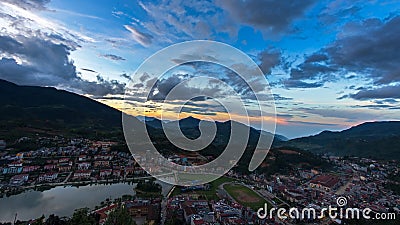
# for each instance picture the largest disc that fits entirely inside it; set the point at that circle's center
(39, 221)
(54, 220)
(120, 216)
(82, 217)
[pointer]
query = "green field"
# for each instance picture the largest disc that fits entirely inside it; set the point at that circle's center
(244, 196)
(210, 194)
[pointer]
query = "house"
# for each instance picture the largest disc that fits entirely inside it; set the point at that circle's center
(197, 220)
(101, 163)
(50, 167)
(27, 169)
(129, 170)
(194, 207)
(19, 179)
(116, 172)
(82, 158)
(105, 173)
(82, 174)
(84, 165)
(103, 157)
(143, 209)
(103, 212)
(64, 169)
(15, 164)
(48, 177)
(63, 160)
(12, 170)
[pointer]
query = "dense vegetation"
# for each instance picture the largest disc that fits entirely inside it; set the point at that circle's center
(26, 111)
(378, 140)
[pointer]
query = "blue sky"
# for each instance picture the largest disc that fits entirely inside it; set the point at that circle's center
(331, 64)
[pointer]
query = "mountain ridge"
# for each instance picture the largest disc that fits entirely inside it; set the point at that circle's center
(379, 139)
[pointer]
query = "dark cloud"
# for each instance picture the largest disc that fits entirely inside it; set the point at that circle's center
(368, 49)
(269, 58)
(376, 106)
(40, 62)
(301, 84)
(278, 97)
(392, 91)
(163, 87)
(348, 114)
(126, 76)
(29, 4)
(266, 15)
(113, 57)
(311, 123)
(388, 100)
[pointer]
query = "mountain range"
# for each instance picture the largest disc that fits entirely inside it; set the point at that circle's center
(380, 140)
(28, 110)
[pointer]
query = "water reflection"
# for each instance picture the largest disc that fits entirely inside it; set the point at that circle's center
(61, 201)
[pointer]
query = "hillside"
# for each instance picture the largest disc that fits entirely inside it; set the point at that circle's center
(28, 110)
(380, 140)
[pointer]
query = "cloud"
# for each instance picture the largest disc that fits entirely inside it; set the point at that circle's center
(278, 97)
(140, 37)
(350, 115)
(267, 15)
(311, 123)
(113, 57)
(39, 62)
(29, 4)
(163, 87)
(126, 76)
(368, 49)
(269, 58)
(177, 20)
(301, 84)
(392, 91)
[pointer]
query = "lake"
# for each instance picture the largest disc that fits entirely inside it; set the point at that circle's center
(61, 200)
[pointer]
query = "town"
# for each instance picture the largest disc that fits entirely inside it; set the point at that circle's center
(231, 199)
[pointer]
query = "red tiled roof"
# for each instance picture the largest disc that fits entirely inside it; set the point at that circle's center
(326, 180)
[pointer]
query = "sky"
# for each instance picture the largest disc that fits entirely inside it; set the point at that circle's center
(330, 64)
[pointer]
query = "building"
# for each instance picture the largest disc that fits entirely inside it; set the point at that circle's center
(82, 174)
(50, 167)
(143, 209)
(15, 164)
(27, 169)
(194, 207)
(12, 170)
(105, 173)
(84, 165)
(64, 169)
(101, 163)
(48, 177)
(82, 158)
(19, 179)
(325, 182)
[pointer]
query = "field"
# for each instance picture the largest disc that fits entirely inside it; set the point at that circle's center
(244, 196)
(209, 194)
